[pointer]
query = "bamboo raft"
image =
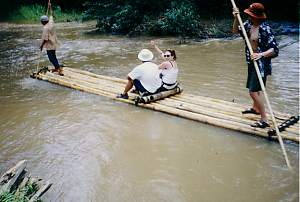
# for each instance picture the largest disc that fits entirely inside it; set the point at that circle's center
(198, 108)
(16, 183)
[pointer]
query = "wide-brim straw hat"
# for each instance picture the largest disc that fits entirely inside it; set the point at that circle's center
(256, 10)
(145, 55)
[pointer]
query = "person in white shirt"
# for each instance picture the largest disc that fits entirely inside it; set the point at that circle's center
(169, 69)
(144, 77)
(49, 41)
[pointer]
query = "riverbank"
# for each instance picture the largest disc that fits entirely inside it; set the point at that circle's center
(211, 28)
(31, 14)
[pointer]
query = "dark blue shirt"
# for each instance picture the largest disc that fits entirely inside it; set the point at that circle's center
(266, 40)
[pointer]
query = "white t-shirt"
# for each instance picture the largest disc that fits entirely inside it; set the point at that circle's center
(170, 76)
(148, 74)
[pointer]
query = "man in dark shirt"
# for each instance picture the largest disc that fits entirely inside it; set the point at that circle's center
(264, 47)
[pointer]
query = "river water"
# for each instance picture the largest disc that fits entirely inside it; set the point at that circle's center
(95, 149)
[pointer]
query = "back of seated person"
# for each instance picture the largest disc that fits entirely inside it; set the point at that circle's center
(144, 77)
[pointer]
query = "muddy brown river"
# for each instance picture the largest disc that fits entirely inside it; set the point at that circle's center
(95, 149)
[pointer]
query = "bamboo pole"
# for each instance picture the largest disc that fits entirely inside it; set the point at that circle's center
(193, 108)
(92, 80)
(160, 95)
(74, 84)
(213, 113)
(183, 96)
(226, 108)
(48, 7)
(104, 83)
(262, 87)
(110, 92)
(118, 80)
(39, 59)
(228, 103)
(218, 102)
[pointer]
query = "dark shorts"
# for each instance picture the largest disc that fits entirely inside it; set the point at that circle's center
(138, 86)
(252, 81)
(52, 57)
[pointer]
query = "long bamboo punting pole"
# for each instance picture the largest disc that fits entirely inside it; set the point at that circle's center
(262, 86)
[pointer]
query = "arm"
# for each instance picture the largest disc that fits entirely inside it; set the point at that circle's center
(164, 65)
(268, 53)
(272, 46)
(235, 25)
(51, 13)
(156, 48)
(42, 45)
(45, 37)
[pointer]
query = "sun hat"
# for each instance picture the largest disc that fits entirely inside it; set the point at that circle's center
(44, 18)
(145, 55)
(256, 10)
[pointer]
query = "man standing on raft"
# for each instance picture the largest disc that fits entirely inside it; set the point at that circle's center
(49, 40)
(264, 47)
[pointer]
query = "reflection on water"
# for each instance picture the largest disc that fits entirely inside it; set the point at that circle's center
(96, 149)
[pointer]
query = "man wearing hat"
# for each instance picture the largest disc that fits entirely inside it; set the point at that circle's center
(265, 48)
(145, 77)
(49, 41)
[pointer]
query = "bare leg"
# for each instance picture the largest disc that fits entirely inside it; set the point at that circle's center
(128, 86)
(255, 107)
(258, 102)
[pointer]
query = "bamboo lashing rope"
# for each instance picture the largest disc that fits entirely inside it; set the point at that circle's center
(262, 85)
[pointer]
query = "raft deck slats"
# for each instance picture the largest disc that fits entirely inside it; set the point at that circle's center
(199, 108)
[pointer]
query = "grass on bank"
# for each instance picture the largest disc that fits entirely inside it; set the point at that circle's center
(22, 195)
(32, 14)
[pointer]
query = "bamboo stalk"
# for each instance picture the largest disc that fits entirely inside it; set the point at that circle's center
(217, 102)
(104, 84)
(110, 86)
(97, 75)
(91, 79)
(238, 106)
(226, 109)
(262, 87)
(110, 92)
(213, 113)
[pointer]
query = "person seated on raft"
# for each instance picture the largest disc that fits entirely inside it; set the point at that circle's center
(168, 68)
(144, 77)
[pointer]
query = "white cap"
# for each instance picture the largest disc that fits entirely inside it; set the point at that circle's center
(145, 55)
(44, 18)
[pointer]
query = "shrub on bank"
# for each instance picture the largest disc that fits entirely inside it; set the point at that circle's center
(176, 18)
(30, 14)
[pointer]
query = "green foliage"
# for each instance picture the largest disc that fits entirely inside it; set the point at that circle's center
(143, 17)
(32, 13)
(21, 196)
(180, 20)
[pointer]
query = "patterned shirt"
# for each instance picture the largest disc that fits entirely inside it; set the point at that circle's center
(266, 40)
